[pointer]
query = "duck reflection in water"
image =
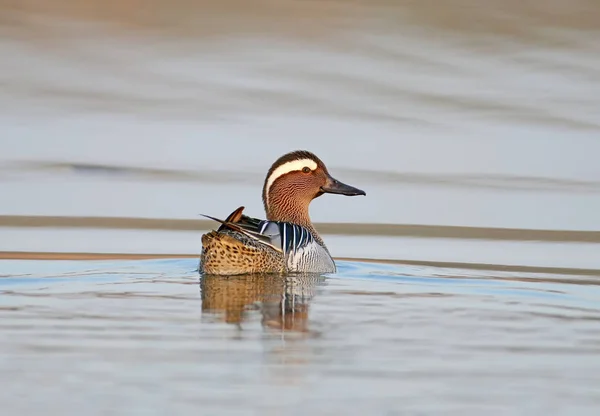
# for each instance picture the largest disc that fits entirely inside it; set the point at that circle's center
(283, 301)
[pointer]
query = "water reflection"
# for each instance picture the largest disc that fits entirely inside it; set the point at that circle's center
(282, 301)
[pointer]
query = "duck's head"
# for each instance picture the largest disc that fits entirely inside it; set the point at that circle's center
(293, 181)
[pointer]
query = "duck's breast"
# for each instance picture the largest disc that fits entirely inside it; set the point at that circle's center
(310, 258)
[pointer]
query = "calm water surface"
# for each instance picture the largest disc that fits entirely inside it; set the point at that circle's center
(473, 114)
(150, 337)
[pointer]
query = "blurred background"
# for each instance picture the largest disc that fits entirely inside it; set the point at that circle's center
(466, 113)
(472, 125)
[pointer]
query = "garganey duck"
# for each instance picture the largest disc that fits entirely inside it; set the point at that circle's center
(287, 241)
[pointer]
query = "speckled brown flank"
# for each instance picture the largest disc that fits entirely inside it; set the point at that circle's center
(230, 253)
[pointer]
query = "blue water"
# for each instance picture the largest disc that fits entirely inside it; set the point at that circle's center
(151, 337)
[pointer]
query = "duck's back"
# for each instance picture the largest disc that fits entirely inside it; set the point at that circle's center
(262, 246)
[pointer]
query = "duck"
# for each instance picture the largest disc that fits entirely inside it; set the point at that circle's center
(286, 241)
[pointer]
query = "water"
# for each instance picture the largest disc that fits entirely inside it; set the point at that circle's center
(145, 337)
(468, 276)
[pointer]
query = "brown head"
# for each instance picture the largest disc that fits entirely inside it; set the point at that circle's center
(293, 181)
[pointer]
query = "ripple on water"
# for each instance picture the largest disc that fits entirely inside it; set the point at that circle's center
(153, 335)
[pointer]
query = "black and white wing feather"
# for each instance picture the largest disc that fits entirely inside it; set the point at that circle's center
(294, 237)
(282, 236)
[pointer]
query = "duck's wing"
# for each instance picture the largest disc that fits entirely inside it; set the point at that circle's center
(259, 230)
(282, 236)
(293, 237)
(285, 235)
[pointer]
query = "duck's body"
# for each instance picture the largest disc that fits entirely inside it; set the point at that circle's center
(264, 247)
(286, 242)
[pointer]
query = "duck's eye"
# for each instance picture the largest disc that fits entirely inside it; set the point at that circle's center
(306, 169)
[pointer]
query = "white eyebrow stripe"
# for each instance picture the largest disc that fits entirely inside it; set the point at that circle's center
(289, 167)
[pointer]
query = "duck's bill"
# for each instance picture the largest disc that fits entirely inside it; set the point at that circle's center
(333, 186)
